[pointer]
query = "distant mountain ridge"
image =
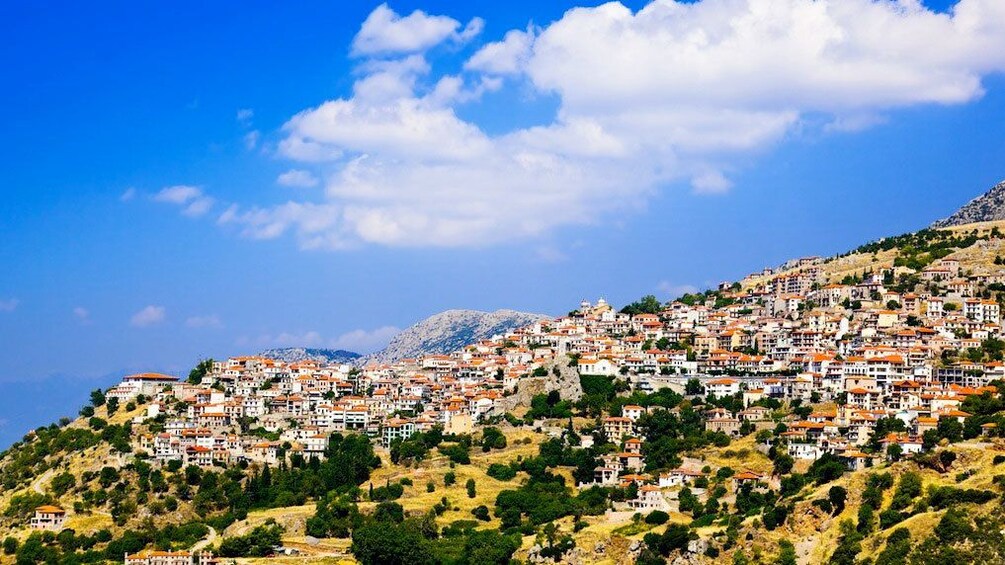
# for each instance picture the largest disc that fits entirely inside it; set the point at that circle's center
(987, 207)
(451, 330)
(297, 354)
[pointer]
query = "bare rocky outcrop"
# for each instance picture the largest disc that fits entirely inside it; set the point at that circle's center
(987, 207)
(297, 354)
(566, 382)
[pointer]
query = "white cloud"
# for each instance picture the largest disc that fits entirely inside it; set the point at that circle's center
(672, 93)
(551, 254)
(148, 316)
(9, 305)
(675, 290)
(404, 128)
(128, 195)
(386, 32)
(83, 315)
(366, 341)
(505, 57)
(179, 194)
(190, 198)
(209, 321)
(854, 122)
(298, 178)
(251, 139)
(358, 341)
(711, 182)
(244, 116)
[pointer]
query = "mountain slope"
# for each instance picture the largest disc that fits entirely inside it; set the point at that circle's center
(295, 354)
(987, 207)
(451, 330)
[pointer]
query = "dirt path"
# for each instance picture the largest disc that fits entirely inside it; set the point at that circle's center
(208, 540)
(37, 484)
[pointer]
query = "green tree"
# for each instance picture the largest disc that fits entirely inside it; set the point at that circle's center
(202, 369)
(954, 526)
(489, 548)
(786, 553)
(62, 483)
(10, 545)
(389, 544)
(648, 304)
(837, 496)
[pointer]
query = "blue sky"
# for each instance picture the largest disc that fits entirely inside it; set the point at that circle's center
(107, 105)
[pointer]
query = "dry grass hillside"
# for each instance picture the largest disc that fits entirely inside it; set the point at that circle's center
(604, 539)
(978, 257)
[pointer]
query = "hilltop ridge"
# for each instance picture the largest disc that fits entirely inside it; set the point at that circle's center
(987, 207)
(294, 354)
(449, 331)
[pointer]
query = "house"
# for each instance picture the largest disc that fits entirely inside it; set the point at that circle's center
(649, 498)
(722, 387)
(753, 395)
(597, 367)
(756, 414)
(616, 427)
(147, 384)
(679, 477)
(199, 455)
(166, 558)
(396, 429)
(747, 477)
(909, 445)
(728, 426)
(633, 445)
(631, 461)
(633, 412)
(605, 476)
(48, 517)
(800, 450)
(855, 460)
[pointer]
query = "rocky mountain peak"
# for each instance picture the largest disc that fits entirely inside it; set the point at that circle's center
(987, 207)
(452, 330)
(297, 354)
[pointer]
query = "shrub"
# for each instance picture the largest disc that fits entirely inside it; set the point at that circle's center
(837, 495)
(258, 543)
(481, 512)
(10, 545)
(389, 492)
(657, 517)
(501, 472)
(824, 504)
(492, 438)
(458, 453)
(945, 496)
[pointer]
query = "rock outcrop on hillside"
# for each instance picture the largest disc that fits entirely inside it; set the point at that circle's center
(987, 207)
(451, 330)
(566, 382)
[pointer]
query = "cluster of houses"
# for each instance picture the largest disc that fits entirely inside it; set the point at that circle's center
(784, 335)
(789, 336)
(793, 337)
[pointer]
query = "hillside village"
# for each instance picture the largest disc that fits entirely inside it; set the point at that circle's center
(812, 374)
